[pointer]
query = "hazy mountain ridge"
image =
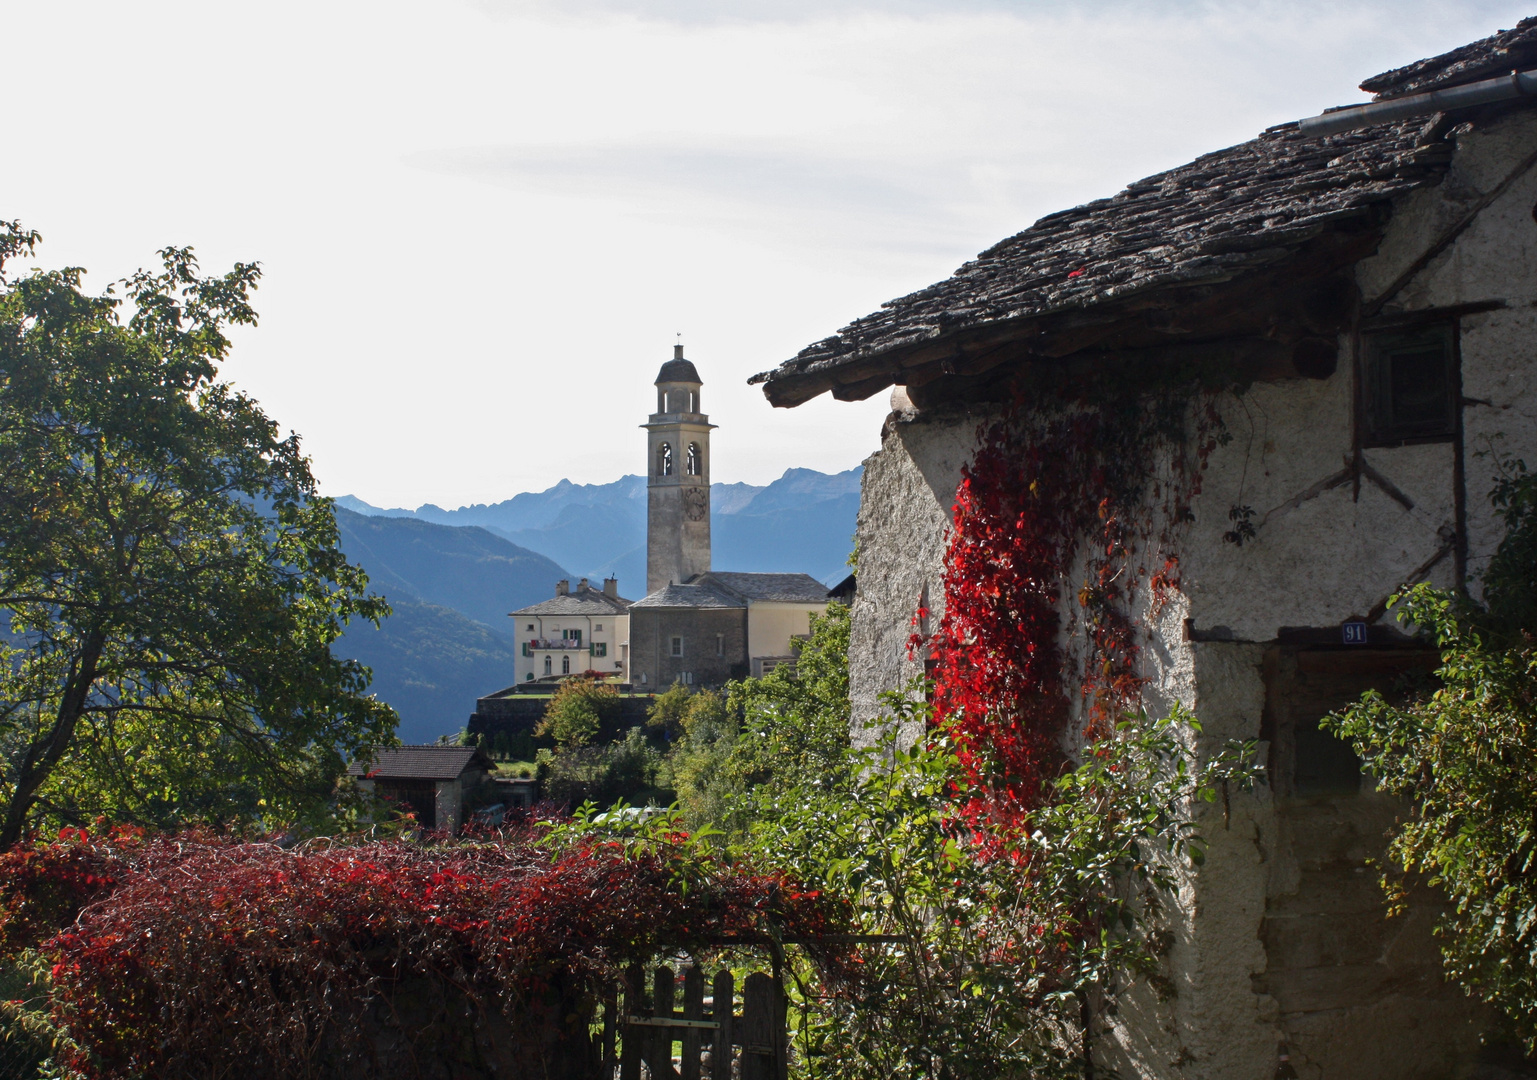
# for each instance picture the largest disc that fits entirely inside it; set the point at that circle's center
(803, 521)
(431, 663)
(472, 570)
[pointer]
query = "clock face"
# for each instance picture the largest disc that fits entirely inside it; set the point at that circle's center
(696, 503)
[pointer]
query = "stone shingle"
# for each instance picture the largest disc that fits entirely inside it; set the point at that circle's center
(1219, 217)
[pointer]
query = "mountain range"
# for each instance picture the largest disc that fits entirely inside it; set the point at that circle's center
(452, 576)
(803, 521)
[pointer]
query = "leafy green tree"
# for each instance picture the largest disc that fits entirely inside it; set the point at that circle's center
(1461, 753)
(696, 765)
(668, 710)
(624, 770)
(172, 579)
(578, 711)
(795, 728)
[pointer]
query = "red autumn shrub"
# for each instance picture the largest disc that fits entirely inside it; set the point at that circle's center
(379, 959)
(44, 886)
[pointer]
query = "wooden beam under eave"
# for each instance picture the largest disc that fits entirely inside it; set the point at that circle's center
(858, 391)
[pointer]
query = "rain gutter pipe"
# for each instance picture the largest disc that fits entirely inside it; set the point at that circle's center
(1517, 84)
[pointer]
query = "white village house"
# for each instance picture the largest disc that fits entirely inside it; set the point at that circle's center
(1369, 297)
(578, 630)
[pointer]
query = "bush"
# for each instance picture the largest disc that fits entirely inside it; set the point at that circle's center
(1006, 947)
(624, 771)
(204, 957)
(578, 711)
(1462, 755)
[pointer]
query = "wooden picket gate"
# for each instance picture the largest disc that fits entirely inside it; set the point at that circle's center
(707, 1032)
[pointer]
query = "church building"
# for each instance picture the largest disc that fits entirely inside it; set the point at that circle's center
(694, 625)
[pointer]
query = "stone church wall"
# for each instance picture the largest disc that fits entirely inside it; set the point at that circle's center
(704, 630)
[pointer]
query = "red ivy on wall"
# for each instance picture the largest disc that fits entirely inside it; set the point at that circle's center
(1065, 501)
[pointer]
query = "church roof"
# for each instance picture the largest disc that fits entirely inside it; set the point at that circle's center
(581, 602)
(730, 589)
(678, 370)
(782, 588)
(696, 594)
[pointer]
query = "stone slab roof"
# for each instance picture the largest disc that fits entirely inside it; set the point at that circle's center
(1222, 217)
(775, 588)
(689, 596)
(421, 763)
(1498, 54)
(590, 602)
(731, 589)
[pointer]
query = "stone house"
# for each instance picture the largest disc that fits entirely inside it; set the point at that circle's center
(698, 626)
(722, 625)
(1365, 285)
(578, 630)
(440, 784)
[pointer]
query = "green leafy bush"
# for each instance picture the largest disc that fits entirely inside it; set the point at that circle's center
(624, 771)
(1462, 755)
(1006, 949)
(578, 711)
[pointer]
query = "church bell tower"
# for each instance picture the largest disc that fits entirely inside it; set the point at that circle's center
(678, 484)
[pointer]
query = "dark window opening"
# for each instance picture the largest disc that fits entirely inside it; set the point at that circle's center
(1410, 385)
(693, 459)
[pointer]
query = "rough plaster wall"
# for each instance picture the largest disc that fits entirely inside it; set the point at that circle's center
(907, 494)
(448, 804)
(1494, 259)
(1316, 560)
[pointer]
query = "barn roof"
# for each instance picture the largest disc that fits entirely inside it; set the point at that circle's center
(1218, 219)
(420, 763)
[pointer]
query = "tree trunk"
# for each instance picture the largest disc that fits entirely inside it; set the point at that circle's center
(47, 750)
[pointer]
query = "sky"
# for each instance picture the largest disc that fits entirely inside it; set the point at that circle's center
(483, 223)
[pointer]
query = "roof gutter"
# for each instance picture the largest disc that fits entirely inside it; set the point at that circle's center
(1517, 84)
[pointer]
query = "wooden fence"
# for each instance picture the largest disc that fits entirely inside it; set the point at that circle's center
(701, 1039)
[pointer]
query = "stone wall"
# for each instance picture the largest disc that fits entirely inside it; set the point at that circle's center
(1281, 937)
(654, 668)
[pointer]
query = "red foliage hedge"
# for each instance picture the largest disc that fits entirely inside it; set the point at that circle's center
(194, 956)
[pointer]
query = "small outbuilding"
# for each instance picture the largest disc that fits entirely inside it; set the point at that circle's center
(1182, 445)
(434, 782)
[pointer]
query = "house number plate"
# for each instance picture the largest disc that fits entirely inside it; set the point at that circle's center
(1353, 633)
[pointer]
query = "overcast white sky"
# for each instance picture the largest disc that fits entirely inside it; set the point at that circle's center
(481, 223)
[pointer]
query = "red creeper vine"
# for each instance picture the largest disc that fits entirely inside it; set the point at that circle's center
(1058, 489)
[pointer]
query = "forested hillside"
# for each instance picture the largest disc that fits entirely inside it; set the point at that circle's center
(451, 589)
